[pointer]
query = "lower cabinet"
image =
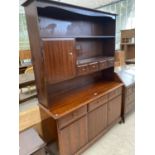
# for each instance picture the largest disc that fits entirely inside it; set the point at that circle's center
(114, 109)
(97, 121)
(73, 136)
(80, 127)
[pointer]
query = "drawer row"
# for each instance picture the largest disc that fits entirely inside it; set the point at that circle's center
(94, 66)
(62, 122)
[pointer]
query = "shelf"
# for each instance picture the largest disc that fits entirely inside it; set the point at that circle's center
(81, 37)
(91, 60)
(27, 96)
(94, 37)
(127, 43)
(79, 97)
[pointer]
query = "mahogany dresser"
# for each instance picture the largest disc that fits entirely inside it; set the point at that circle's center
(73, 59)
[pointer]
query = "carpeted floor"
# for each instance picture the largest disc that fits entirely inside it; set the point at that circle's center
(120, 140)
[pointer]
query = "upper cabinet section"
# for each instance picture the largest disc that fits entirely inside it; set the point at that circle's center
(63, 20)
(90, 28)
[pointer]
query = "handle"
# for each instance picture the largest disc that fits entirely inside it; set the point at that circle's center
(95, 94)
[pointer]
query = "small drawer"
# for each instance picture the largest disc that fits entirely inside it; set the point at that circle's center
(62, 122)
(103, 64)
(97, 103)
(115, 93)
(82, 69)
(93, 67)
(110, 62)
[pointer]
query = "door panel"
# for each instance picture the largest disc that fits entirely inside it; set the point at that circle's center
(114, 109)
(73, 137)
(97, 121)
(59, 59)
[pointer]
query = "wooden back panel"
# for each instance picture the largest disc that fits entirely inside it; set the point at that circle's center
(56, 91)
(50, 27)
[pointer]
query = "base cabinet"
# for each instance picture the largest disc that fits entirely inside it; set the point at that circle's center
(97, 121)
(114, 109)
(73, 137)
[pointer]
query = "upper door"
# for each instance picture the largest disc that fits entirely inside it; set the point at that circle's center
(59, 59)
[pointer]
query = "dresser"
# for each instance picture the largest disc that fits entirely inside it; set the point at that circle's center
(73, 59)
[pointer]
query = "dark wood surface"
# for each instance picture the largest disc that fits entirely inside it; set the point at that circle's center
(97, 121)
(77, 98)
(37, 51)
(73, 137)
(59, 58)
(62, 38)
(114, 109)
(103, 132)
(26, 80)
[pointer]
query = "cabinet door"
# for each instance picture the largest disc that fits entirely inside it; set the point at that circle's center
(59, 59)
(114, 109)
(73, 137)
(97, 121)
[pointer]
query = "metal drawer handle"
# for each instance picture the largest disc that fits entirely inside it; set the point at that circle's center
(70, 53)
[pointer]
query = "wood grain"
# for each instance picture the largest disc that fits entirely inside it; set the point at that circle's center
(77, 98)
(97, 121)
(59, 58)
(114, 109)
(73, 137)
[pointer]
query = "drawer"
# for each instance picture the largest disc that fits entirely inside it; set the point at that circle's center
(62, 122)
(97, 103)
(130, 98)
(82, 69)
(93, 67)
(110, 62)
(103, 64)
(115, 93)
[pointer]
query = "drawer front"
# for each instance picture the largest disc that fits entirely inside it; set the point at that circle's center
(82, 69)
(93, 67)
(93, 105)
(103, 65)
(62, 122)
(110, 62)
(115, 93)
(130, 98)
